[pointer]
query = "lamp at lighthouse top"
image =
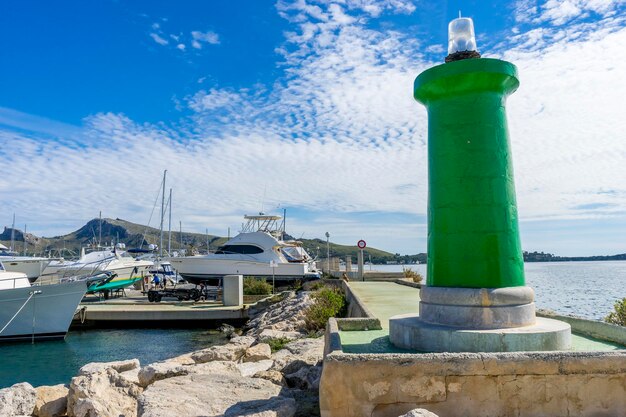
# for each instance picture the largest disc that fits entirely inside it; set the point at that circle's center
(461, 35)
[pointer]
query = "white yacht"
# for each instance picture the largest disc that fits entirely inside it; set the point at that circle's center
(36, 312)
(114, 259)
(257, 251)
(33, 267)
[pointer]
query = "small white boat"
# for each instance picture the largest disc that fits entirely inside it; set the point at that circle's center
(33, 267)
(257, 251)
(105, 259)
(36, 312)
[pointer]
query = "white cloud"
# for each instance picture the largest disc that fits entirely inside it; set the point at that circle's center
(204, 37)
(559, 12)
(158, 39)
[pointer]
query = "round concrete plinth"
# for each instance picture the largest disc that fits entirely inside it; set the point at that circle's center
(409, 332)
(478, 308)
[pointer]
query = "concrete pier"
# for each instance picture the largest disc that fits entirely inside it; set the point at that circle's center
(135, 310)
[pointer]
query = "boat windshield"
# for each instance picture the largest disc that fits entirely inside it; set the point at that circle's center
(295, 254)
(242, 249)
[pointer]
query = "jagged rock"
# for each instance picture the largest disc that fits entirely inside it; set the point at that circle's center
(17, 400)
(274, 407)
(215, 368)
(160, 370)
(259, 352)
(419, 412)
(227, 329)
(307, 377)
(245, 341)
(232, 351)
(269, 334)
(102, 393)
(214, 395)
(284, 316)
(51, 401)
(307, 402)
(251, 368)
(229, 352)
(299, 353)
(131, 376)
(185, 359)
(119, 366)
(272, 376)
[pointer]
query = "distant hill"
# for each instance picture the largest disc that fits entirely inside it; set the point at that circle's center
(548, 257)
(111, 231)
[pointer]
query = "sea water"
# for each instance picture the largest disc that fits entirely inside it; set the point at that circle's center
(56, 362)
(583, 289)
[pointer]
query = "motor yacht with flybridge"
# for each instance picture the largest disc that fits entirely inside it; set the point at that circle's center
(259, 251)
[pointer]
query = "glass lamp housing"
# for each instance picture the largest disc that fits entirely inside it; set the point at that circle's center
(461, 35)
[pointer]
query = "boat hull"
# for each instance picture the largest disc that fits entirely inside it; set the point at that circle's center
(46, 315)
(202, 269)
(33, 268)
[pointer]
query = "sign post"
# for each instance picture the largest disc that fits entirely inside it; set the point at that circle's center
(273, 266)
(362, 245)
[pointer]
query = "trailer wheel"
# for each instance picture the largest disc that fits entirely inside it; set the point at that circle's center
(194, 294)
(157, 298)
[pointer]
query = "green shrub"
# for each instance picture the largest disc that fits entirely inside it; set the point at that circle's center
(254, 286)
(327, 302)
(619, 315)
(413, 275)
(277, 343)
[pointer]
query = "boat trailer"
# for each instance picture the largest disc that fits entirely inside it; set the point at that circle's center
(201, 293)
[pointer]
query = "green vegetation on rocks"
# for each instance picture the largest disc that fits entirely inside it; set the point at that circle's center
(277, 343)
(327, 302)
(618, 316)
(254, 286)
(413, 275)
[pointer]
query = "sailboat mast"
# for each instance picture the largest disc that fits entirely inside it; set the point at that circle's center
(100, 230)
(24, 240)
(162, 215)
(169, 231)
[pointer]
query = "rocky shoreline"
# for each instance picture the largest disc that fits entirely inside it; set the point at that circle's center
(242, 377)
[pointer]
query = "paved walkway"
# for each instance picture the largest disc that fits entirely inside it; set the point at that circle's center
(387, 299)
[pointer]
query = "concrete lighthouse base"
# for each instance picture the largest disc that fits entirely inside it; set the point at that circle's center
(478, 320)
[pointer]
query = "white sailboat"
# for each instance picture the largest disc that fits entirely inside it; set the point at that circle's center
(257, 251)
(36, 312)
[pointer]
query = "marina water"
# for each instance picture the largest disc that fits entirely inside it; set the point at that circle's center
(50, 363)
(583, 289)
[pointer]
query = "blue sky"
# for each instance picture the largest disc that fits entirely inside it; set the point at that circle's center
(304, 105)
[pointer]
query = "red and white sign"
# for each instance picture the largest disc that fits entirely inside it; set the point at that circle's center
(361, 244)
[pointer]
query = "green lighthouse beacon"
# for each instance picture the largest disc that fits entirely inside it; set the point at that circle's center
(473, 238)
(475, 298)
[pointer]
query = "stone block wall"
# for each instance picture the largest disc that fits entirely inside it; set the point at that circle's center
(524, 384)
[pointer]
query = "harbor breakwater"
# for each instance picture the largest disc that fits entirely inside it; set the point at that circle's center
(241, 377)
